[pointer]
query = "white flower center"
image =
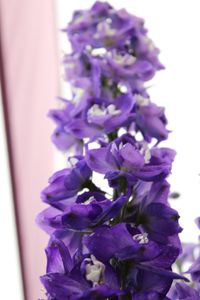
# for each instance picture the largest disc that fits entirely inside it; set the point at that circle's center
(109, 20)
(142, 238)
(97, 111)
(147, 156)
(98, 52)
(111, 109)
(94, 270)
(78, 94)
(123, 89)
(142, 101)
(88, 201)
(121, 59)
(104, 29)
(73, 161)
(146, 152)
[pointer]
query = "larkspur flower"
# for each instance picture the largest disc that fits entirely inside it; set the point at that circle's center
(114, 238)
(66, 183)
(126, 158)
(77, 277)
(83, 216)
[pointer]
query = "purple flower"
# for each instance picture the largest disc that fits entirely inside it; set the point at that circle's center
(150, 119)
(128, 50)
(125, 157)
(66, 183)
(117, 238)
(90, 117)
(123, 243)
(160, 221)
(150, 210)
(71, 126)
(144, 260)
(110, 116)
(124, 65)
(82, 216)
(86, 278)
(62, 139)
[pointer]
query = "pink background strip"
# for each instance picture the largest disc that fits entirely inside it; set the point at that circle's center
(29, 79)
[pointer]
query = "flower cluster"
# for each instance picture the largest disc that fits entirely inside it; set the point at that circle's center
(113, 234)
(111, 59)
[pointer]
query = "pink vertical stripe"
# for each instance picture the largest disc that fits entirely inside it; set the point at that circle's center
(28, 66)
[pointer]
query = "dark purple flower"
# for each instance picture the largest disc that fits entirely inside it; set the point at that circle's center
(125, 66)
(128, 52)
(71, 126)
(123, 243)
(125, 157)
(62, 287)
(116, 239)
(150, 119)
(58, 258)
(66, 183)
(110, 116)
(144, 260)
(149, 285)
(150, 210)
(85, 279)
(160, 221)
(82, 216)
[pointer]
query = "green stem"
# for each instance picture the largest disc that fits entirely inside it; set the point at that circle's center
(92, 187)
(112, 136)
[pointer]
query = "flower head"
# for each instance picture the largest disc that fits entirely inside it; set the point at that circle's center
(113, 234)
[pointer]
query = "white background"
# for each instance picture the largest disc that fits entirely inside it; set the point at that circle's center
(174, 27)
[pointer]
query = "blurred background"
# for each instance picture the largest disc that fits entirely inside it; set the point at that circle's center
(31, 49)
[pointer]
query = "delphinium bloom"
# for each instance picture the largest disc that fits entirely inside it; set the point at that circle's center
(112, 236)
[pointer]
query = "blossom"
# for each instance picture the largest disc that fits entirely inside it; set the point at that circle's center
(66, 183)
(82, 216)
(110, 29)
(150, 119)
(150, 210)
(113, 234)
(144, 259)
(124, 157)
(79, 280)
